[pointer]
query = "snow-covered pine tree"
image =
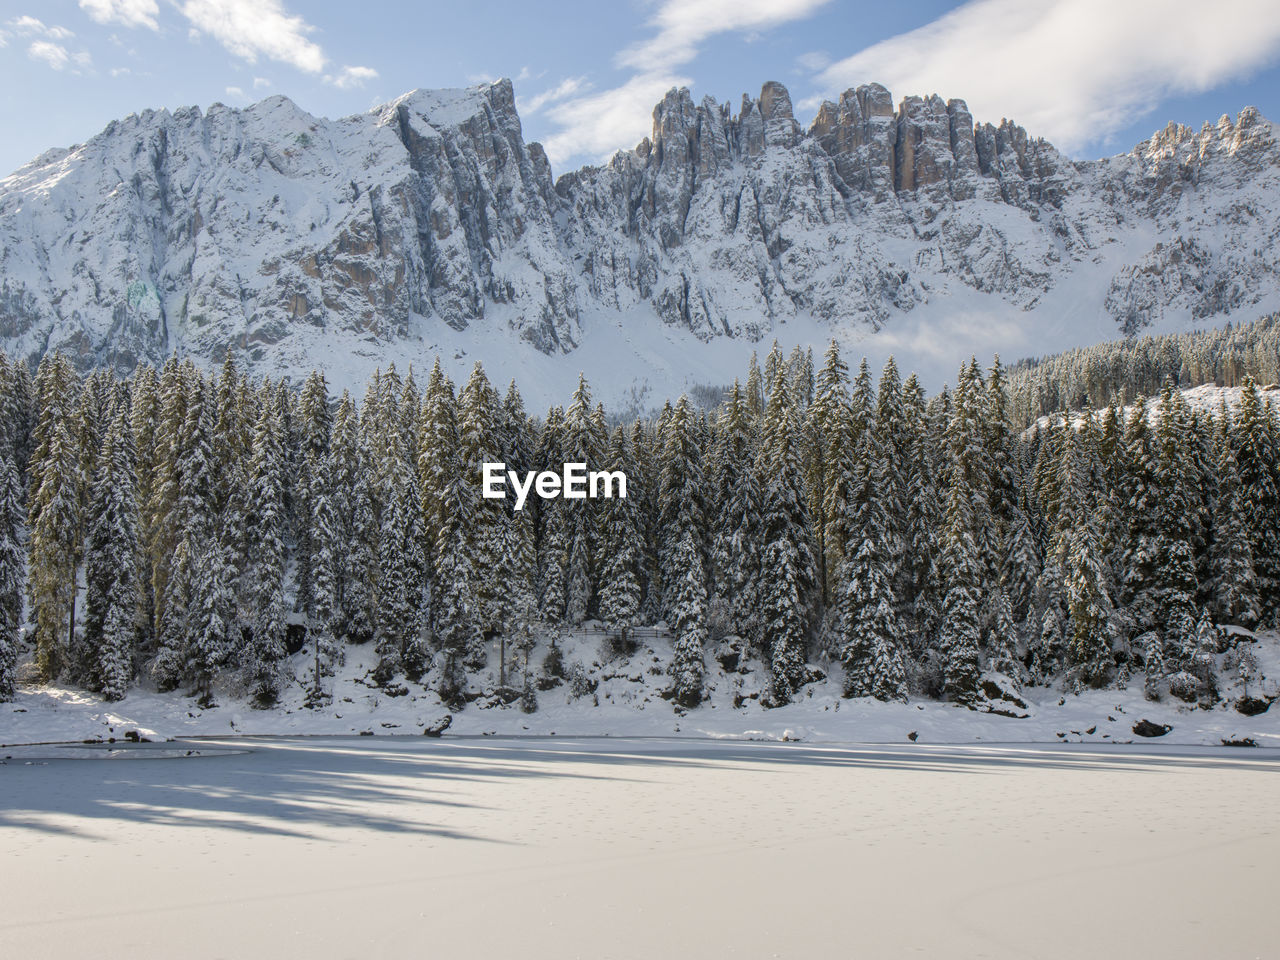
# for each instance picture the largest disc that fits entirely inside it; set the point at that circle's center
(1233, 585)
(356, 530)
(1153, 663)
(1173, 580)
(325, 621)
(1089, 609)
(969, 468)
(681, 496)
(960, 628)
(170, 666)
(11, 575)
(551, 525)
(113, 584)
(1142, 511)
(830, 447)
(582, 443)
(157, 438)
(755, 387)
(396, 583)
(52, 569)
(621, 547)
(870, 626)
(789, 572)
(1045, 649)
(459, 640)
(211, 611)
(1002, 639)
(449, 499)
(962, 560)
(144, 420)
(518, 605)
(1203, 663)
(1253, 444)
(735, 542)
(1022, 567)
(262, 584)
(893, 443)
(689, 623)
(480, 419)
(315, 424)
(56, 388)
(197, 482)
(921, 587)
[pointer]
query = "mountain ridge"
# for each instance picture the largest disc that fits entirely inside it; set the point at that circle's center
(429, 223)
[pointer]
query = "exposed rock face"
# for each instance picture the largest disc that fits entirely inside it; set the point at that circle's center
(268, 230)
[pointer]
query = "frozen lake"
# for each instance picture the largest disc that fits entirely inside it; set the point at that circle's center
(646, 848)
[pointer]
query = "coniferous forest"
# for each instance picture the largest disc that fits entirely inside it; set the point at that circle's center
(177, 528)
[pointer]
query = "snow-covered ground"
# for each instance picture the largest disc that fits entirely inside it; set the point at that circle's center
(603, 693)
(1207, 398)
(607, 848)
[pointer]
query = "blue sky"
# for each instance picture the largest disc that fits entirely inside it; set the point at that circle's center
(1093, 76)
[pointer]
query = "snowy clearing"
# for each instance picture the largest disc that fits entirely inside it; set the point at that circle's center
(638, 848)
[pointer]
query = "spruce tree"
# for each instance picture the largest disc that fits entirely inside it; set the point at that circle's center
(211, 609)
(1233, 586)
(689, 622)
(1174, 586)
(681, 492)
(735, 542)
(871, 629)
(622, 547)
(1089, 642)
(789, 572)
(830, 433)
(315, 426)
(263, 581)
(1045, 652)
(11, 575)
(53, 552)
(169, 666)
(1254, 447)
(113, 596)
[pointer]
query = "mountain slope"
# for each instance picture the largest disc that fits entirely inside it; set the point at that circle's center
(429, 225)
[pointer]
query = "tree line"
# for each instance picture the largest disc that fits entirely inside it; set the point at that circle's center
(174, 524)
(1123, 370)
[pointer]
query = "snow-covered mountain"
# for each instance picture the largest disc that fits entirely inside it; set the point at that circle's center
(429, 225)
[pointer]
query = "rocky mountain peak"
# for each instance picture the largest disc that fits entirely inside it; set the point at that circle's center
(270, 231)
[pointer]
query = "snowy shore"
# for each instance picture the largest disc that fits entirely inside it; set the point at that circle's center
(603, 694)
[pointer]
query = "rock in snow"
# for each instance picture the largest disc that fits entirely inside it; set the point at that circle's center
(270, 231)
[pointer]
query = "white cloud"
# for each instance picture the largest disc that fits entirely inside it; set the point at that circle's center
(53, 54)
(565, 88)
(601, 123)
(236, 92)
(349, 77)
(1072, 71)
(260, 82)
(4, 39)
(30, 26)
(250, 29)
(684, 24)
(130, 13)
(120, 71)
(814, 61)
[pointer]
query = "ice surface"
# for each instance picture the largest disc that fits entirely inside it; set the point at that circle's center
(641, 848)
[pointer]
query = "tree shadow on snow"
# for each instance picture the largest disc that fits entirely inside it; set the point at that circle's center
(297, 786)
